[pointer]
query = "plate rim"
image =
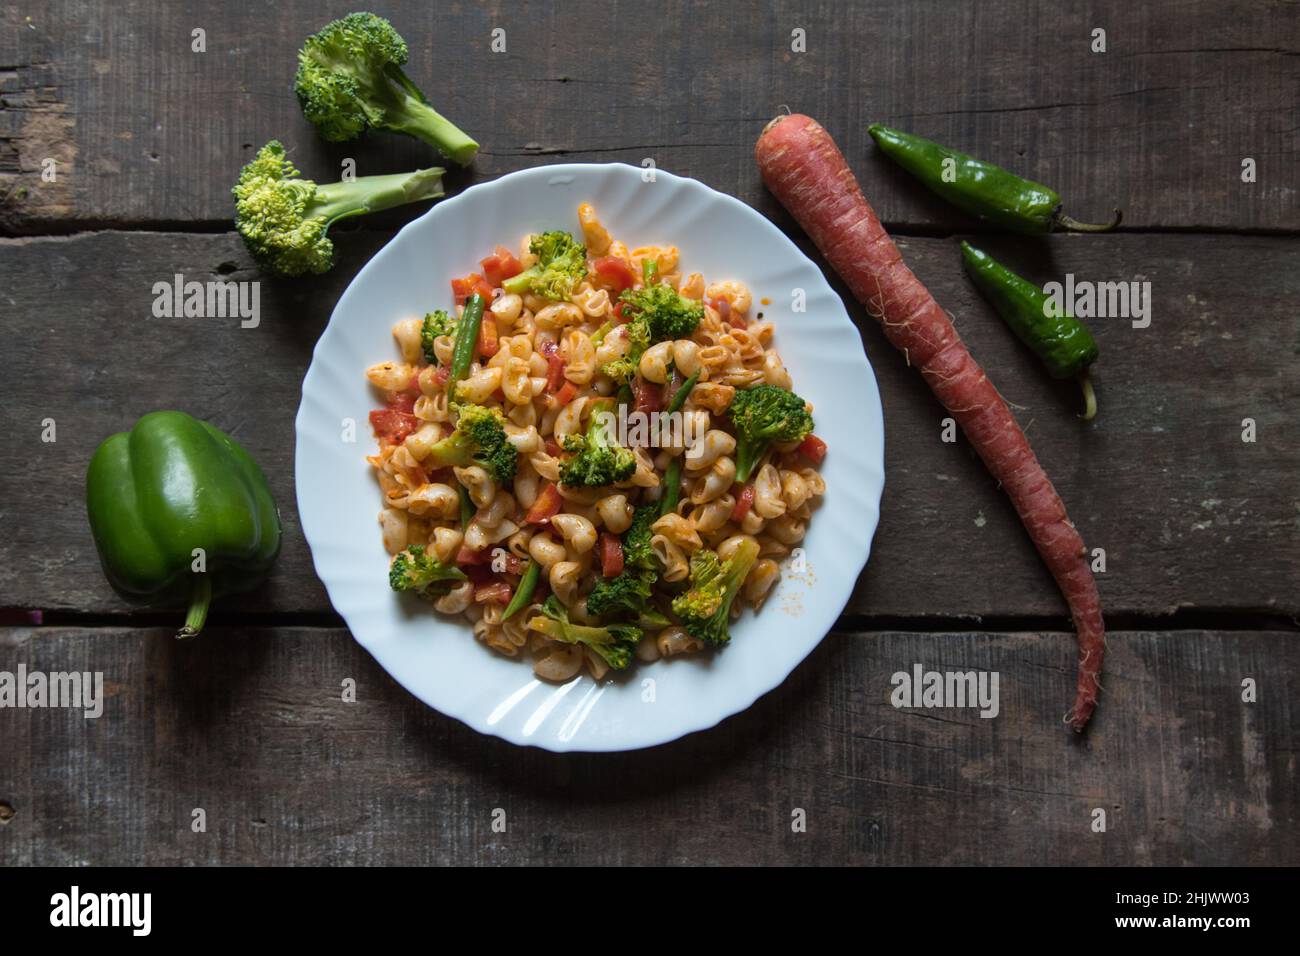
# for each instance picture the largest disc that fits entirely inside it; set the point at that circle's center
(861, 544)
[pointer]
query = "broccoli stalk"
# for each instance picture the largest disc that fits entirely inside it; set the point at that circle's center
(561, 264)
(284, 219)
(705, 609)
(479, 439)
(350, 79)
(599, 459)
(613, 642)
(656, 313)
(419, 572)
(762, 415)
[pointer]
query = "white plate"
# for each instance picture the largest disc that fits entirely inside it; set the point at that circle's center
(438, 660)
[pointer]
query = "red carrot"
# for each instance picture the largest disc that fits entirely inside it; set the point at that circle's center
(805, 170)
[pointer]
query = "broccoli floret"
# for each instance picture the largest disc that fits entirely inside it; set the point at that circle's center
(414, 570)
(436, 323)
(637, 552)
(479, 439)
(638, 340)
(350, 79)
(599, 459)
(705, 609)
(284, 219)
(764, 414)
(624, 596)
(656, 314)
(628, 594)
(613, 642)
(666, 314)
(561, 264)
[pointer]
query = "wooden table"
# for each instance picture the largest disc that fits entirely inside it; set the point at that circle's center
(1202, 583)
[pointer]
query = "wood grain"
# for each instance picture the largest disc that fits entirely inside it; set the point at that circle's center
(249, 725)
(1199, 528)
(147, 132)
(1188, 514)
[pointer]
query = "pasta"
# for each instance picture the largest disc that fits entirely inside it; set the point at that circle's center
(546, 366)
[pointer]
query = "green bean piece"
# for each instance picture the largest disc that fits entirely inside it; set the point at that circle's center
(466, 506)
(524, 592)
(683, 393)
(462, 354)
(672, 486)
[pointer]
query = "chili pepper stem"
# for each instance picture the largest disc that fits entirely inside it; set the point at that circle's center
(1089, 398)
(1073, 225)
(200, 598)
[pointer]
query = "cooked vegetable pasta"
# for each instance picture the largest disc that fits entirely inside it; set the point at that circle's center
(623, 428)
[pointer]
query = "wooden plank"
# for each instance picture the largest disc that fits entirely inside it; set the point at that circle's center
(249, 726)
(146, 131)
(1185, 511)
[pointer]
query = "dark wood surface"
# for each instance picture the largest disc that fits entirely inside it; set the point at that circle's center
(1200, 529)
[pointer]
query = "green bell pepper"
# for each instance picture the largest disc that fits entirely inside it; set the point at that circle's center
(180, 512)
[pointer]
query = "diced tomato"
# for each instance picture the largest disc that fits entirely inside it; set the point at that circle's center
(567, 393)
(403, 402)
(618, 313)
(488, 343)
(554, 367)
(440, 377)
(647, 397)
(546, 507)
(613, 273)
(611, 555)
(553, 447)
(744, 501)
(462, 289)
(467, 558)
(813, 448)
(500, 266)
(393, 426)
(497, 592)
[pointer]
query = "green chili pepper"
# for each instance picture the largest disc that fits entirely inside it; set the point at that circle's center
(672, 486)
(180, 512)
(649, 271)
(683, 393)
(524, 592)
(981, 189)
(599, 335)
(462, 353)
(1064, 344)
